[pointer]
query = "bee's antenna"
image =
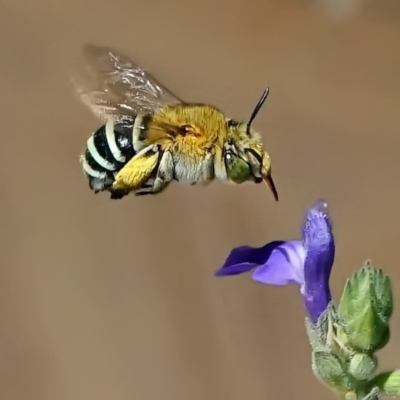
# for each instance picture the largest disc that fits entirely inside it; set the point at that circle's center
(257, 109)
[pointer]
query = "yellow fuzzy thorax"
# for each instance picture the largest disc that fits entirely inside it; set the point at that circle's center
(195, 130)
(206, 124)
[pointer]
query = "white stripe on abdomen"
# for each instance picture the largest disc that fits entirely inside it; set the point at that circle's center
(136, 131)
(97, 157)
(90, 171)
(112, 144)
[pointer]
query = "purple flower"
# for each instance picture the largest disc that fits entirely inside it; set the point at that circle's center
(307, 262)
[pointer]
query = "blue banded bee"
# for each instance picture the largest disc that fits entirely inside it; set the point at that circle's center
(150, 137)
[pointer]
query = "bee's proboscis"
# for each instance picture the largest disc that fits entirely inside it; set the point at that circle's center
(271, 184)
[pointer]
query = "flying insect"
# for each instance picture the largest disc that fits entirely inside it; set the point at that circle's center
(150, 137)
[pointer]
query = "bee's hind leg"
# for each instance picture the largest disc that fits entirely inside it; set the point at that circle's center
(145, 188)
(135, 174)
(163, 177)
(118, 194)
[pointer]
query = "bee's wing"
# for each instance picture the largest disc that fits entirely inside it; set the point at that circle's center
(115, 86)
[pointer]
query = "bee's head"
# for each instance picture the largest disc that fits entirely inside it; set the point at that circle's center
(244, 156)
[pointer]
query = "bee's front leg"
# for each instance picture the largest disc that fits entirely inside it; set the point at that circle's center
(163, 177)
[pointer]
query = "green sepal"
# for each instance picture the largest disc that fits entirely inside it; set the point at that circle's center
(313, 336)
(384, 339)
(328, 333)
(319, 333)
(388, 383)
(383, 290)
(366, 307)
(329, 369)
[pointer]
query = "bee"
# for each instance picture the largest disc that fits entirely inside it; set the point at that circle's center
(150, 137)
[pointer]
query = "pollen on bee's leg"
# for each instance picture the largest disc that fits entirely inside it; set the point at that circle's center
(138, 170)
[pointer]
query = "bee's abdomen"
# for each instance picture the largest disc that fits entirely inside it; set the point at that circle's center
(107, 151)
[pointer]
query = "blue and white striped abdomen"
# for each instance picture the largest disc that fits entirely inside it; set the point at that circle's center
(107, 151)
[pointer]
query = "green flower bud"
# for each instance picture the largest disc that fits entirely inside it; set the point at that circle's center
(329, 369)
(387, 382)
(366, 307)
(362, 366)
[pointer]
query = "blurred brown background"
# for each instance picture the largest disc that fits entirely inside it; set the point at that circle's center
(108, 300)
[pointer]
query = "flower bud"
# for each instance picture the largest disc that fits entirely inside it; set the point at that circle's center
(362, 366)
(330, 370)
(388, 383)
(366, 307)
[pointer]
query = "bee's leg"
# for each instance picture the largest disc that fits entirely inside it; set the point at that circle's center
(165, 173)
(163, 177)
(146, 188)
(209, 175)
(137, 171)
(118, 194)
(100, 184)
(144, 192)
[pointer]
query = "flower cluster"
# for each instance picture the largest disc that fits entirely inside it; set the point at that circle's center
(343, 339)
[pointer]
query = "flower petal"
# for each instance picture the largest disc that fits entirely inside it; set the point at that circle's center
(245, 258)
(284, 266)
(319, 242)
